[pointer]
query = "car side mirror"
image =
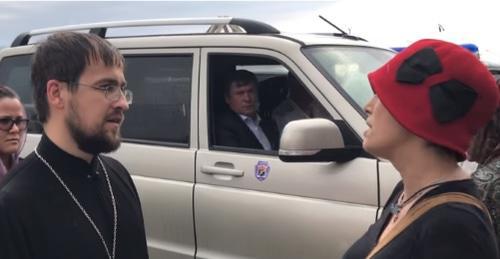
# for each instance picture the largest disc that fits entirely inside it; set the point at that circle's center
(315, 140)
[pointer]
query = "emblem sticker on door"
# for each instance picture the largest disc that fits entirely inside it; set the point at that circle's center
(262, 169)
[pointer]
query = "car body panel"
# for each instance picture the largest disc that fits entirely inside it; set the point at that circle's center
(299, 210)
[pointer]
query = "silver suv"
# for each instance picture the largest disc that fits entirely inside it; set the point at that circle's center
(204, 200)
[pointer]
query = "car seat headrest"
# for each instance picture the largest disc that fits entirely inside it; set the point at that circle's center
(272, 92)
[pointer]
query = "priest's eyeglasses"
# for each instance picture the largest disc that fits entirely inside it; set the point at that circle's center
(112, 91)
(7, 122)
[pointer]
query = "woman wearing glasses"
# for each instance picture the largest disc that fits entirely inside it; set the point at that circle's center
(13, 124)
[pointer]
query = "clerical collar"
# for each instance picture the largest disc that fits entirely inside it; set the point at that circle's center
(62, 160)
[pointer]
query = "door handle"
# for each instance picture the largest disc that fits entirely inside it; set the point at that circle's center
(206, 169)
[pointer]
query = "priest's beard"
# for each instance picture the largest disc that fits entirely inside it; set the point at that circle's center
(91, 142)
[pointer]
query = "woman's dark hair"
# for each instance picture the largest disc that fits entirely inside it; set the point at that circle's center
(485, 145)
(6, 91)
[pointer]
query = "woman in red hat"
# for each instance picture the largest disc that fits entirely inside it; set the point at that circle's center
(429, 101)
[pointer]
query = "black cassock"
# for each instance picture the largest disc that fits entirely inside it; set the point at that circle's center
(39, 219)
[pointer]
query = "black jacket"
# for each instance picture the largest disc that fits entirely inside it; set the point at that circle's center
(231, 130)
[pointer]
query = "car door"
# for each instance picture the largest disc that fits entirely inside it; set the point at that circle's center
(249, 204)
(160, 143)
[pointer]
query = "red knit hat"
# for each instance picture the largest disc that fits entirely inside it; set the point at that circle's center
(439, 91)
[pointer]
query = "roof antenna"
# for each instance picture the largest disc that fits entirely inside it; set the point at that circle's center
(340, 30)
(342, 33)
(440, 27)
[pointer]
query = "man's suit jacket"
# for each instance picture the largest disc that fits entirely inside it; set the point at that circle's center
(231, 130)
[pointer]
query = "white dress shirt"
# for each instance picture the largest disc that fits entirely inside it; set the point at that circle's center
(253, 125)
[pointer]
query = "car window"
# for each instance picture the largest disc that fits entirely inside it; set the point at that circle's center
(282, 98)
(161, 86)
(264, 72)
(347, 67)
(15, 72)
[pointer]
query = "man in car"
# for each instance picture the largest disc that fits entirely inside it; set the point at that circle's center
(242, 126)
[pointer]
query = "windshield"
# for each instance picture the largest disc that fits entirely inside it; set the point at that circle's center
(348, 66)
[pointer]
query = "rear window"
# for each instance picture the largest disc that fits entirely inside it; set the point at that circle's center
(15, 72)
(160, 111)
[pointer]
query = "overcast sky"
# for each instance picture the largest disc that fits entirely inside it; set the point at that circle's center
(387, 22)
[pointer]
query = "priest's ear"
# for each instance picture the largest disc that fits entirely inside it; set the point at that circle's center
(57, 92)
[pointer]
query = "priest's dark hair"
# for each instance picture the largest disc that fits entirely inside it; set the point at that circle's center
(63, 57)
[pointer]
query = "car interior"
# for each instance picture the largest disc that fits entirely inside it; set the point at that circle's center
(275, 84)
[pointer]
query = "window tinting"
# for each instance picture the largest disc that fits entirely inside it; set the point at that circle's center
(160, 110)
(15, 72)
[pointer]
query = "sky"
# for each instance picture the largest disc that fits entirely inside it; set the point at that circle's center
(391, 23)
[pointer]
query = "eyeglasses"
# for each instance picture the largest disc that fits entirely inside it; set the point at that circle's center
(112, 91)
(6, 123)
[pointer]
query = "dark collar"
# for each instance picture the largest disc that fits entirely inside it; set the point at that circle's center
(466, 186)
(63, 162)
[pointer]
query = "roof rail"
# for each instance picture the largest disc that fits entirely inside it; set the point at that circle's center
(217, 26)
